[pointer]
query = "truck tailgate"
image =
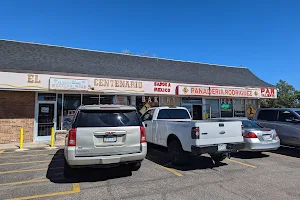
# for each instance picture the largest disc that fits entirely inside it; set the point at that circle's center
(219, 132)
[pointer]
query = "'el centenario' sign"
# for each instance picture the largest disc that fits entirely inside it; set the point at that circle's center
(117, 83)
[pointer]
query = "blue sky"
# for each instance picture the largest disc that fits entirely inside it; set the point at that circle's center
(261, 35)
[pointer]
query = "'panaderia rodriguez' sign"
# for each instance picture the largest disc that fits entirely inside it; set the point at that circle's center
(217, 91)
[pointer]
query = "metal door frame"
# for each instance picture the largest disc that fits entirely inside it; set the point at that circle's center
(188, 104)
(44, 138)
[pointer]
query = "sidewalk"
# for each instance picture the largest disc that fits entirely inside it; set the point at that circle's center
(32, 145)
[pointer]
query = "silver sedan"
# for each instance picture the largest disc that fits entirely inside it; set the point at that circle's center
(258, 138)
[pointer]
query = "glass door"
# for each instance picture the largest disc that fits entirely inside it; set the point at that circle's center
(46, 120)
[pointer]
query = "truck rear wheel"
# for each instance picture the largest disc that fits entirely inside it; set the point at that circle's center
(218, 157)
(177, 155)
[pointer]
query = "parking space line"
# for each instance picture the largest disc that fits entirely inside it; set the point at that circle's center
(28, 170)
(171, 170)
(24, 182)
(29, 162)
(75, 189)
(279, 155)
(241, 163)
(33, 155)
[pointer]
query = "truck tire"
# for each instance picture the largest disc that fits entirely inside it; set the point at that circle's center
(218, 157)
(177, 155)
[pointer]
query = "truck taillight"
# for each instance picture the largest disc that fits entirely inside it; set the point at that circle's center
(250, 135)
(72, 137)
(143, 134)
(195, 133)
(277, 134)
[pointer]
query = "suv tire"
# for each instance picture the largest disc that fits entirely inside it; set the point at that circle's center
(177, 155)
(68, 171)
(135, 166)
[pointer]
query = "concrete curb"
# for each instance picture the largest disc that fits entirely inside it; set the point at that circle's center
(22, 149)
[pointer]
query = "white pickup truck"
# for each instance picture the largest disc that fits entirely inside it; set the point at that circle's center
(174, 128)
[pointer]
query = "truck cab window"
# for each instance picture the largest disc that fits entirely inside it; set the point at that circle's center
(173, 114)
(286, 116)
(267, 115)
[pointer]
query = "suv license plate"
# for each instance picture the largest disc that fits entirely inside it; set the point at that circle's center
(110, 139)
(222, 147)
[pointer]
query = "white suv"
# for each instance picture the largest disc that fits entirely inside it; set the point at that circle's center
(105, 135)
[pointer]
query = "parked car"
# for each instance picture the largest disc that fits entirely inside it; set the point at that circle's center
(174, 128)
(104, 135)
(258, 138)
(286, 122)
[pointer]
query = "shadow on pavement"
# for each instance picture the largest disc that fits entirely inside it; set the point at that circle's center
(55, 172)
(159, 155)
(249, 155)
(288, 151)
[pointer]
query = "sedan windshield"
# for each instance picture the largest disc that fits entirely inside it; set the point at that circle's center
(250, 124)
(298, 112)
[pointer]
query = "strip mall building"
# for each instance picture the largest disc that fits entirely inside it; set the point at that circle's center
(41, 86)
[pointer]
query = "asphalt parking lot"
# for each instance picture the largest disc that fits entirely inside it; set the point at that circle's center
(39, 174)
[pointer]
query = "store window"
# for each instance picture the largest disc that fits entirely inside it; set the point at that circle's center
(122, 100)
(59, 112)
(47, 96)
(107, 99)
(90, 99)
(194, 101)
(226, 107)
(239, 108)
(70, 103)
(212, 108)
(143, 103)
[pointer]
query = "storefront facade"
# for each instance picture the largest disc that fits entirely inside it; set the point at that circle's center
(39, 100)
(56, 98)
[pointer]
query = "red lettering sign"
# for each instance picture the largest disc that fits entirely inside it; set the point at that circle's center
(267, 92)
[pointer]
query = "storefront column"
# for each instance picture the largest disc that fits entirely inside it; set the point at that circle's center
(204, 109)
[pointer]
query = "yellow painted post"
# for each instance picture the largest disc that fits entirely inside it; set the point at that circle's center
(52, 137)
(21, 138)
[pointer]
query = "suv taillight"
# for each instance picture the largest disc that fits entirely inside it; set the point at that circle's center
(250, 135)
(72, 138)
(195, 133)
(143, 134)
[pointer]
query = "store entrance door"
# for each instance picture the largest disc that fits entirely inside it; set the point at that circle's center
(46, 120)
(197, 112)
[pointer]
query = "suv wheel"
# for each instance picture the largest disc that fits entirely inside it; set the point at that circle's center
(68, 171)
(135, 166)
(177, 155)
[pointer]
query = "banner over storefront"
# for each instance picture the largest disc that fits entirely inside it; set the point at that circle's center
(48, 82)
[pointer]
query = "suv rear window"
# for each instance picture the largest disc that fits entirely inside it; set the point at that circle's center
(173, 114)
(107, 118)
